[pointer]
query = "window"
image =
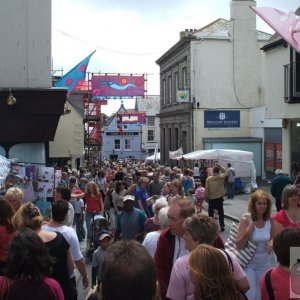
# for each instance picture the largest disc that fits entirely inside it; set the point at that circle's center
(169, 90)
(151, 121)
(127, 145)
(184, 85)
(175, 86)
(151, 135)
(163, 98)
(291, 79)
(117, 144)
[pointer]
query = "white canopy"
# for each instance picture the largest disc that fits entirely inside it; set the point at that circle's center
(152, 157)
(241, 161)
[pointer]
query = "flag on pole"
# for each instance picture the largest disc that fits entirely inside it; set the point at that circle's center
(286, 25)
(176, 154)
(73, 77)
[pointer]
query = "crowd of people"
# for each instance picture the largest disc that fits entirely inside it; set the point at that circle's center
(159, 238)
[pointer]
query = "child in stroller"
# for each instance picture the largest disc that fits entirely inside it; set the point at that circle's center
(99, 222)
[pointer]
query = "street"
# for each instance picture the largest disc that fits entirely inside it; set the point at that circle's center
(233, 208)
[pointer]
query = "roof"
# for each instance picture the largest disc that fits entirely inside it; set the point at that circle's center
(110, 118)
(149, 104)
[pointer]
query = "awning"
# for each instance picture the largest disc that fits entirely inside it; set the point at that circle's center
(34, 117)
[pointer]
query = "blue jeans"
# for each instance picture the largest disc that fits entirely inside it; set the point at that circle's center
(78, 219)
(230, 190)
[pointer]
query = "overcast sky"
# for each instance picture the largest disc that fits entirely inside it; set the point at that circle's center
(129, 35)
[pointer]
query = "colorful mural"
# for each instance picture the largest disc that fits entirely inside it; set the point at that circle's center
(117, 86)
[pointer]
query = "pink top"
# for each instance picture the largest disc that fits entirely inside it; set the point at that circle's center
(181, 285)
(5, 238)
(280, 280)
(282, 218)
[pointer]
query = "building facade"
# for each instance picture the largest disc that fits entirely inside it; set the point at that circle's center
(219, 67)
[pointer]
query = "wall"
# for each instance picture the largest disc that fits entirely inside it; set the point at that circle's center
(25, 50)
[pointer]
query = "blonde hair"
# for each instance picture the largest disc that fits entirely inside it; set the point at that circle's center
(211, 274)
(27, 216)
(95, 188)
(14, 193)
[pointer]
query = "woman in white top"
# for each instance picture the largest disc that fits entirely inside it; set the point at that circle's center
(257, 226)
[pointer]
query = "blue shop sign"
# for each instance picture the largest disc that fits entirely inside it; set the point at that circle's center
(222, 119)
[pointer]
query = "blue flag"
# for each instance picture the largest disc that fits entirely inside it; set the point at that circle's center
(71, 79)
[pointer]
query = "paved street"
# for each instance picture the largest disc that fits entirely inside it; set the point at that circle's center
(233, 208)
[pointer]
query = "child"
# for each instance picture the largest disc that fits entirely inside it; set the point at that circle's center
(191, 196)
(98, 256)
(199, 194)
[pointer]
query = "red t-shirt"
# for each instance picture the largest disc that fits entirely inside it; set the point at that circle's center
(280, 280)
(93, 203)
(282, 218)
(5, 238)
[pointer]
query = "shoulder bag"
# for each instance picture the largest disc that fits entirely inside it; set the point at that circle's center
(245, 255)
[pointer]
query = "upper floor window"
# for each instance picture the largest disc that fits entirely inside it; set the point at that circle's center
(150, 120)
(151, 135)
(292, 79)
(163, 98)
(127, 144)
(184, 85)
(117, 144)
(169, 90)
(175, 85)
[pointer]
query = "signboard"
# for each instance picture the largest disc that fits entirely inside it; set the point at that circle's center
(183, 96)
(278, 156)
(269, 157)
(131, 118)
(117, 86)
(222, 119)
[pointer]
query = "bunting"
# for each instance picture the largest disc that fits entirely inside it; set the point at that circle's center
(75, 76)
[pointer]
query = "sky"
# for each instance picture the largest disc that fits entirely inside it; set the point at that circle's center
(130, 35)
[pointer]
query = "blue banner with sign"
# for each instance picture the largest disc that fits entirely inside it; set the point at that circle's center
(222, 119)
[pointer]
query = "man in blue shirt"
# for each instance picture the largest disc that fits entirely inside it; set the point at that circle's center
(130, 223)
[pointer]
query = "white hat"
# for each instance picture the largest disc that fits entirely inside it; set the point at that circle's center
(103, 234)
(128, 197)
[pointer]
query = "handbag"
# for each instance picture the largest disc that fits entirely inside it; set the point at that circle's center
(245, 255)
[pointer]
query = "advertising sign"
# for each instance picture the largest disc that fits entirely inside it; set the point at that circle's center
(278, 156)
(117, 86)
(222, 119)
(183, 96)
(269, 157)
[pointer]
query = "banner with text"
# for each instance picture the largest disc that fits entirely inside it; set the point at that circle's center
(222, 119)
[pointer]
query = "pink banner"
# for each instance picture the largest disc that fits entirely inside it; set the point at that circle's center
(117, 86)
(131, 118)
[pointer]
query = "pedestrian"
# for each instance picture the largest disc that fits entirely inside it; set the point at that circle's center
(141, 196)
(64, 193)
(199, 194)
(230, 176)
(200, 229)
(29, 266)
(278, 183)
(14, 196)
(30, 217)
(131, 221)
(7, 231)
(171, 245)
(281, 281)
(289, 215)
(128, 273)
(151, 238)
(211, 274)
(59, 212)
(104, 240)
(257, 226)
(214, 193)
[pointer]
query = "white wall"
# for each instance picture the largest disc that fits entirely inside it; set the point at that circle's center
(25, 50)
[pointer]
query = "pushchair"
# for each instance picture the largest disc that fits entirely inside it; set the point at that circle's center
(99, 222)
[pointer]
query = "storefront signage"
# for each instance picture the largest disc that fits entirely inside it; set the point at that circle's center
(222, 119)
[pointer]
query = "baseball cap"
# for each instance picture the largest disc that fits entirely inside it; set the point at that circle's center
(103, 234)
(128, 197)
